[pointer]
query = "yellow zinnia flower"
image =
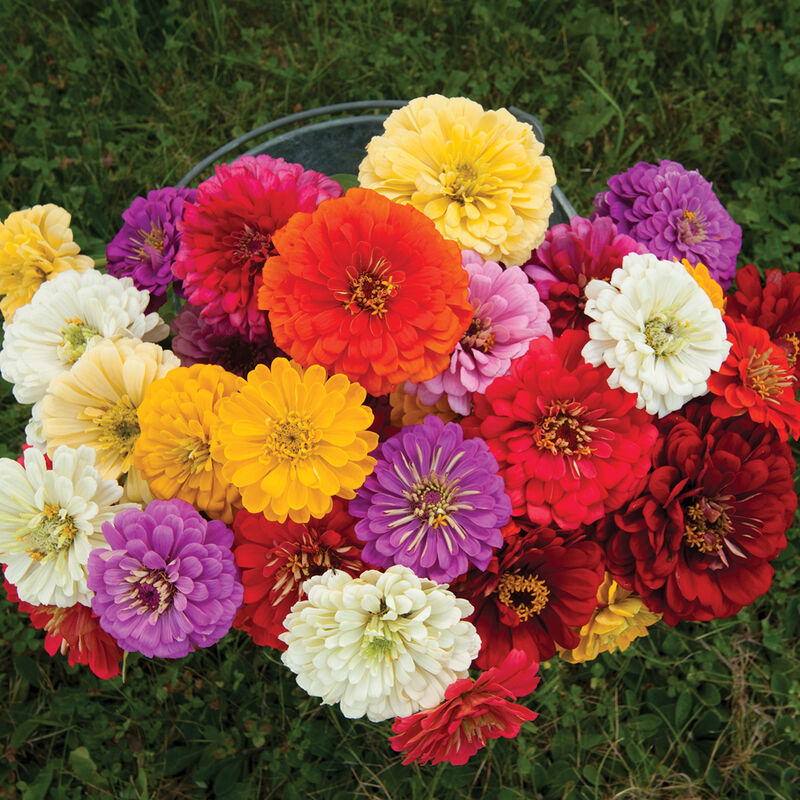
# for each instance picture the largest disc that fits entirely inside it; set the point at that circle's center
(173, 452)
(407, 409)
(291, 439)
(703, 277)
(620, 617)
(35, 245)
(479, 175)
(95, 404)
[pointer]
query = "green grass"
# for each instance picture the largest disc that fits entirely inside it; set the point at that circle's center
(101, 101)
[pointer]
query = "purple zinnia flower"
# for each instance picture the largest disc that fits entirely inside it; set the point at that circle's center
(199, 342)
(675, 213)
(508, 315)
(434, 502)
(147, 244)
(169, 584)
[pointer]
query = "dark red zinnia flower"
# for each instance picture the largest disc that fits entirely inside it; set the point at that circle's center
(534, 594)
(773, 305)
(74, 632)
(277, 558)
(471, 713)
(696, 544)
(570, 256)
(570, 448)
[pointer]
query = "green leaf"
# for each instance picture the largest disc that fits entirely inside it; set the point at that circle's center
(682, 709)
(346, 181)
(38, 789)
(22, 732)
(85, 769)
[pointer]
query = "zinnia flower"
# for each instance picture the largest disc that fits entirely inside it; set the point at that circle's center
(657, 330)
(408, 409)
(146, 246)
(507, 315)
(568, 258)
(675, 213)
(95, 402)
(198, 342)
(50, 519)
(177, 419)
(471, 713)
(35, 245)
(74, 632)
(570, 448)
(291, 439)
(756, 380)
(277, 558)
(533, 595)
(704, 280)
(228, 231)
(620, 617)
(697, 542)
(385, 644)
(479, 175)
(169, 584)
(368, 289)
(434, 502)
(66, 315)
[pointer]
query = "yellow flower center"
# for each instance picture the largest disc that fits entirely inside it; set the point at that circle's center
(154, 239)
(194, 453)
(706, 526)
(525, 594)
(662, 333)
(75, 335)
(432, 500)
(48, 532)
(561, 432)
(766, 379)
(370, 289)
(794, 347)
(691, 227)
(461, 181)
(293, 438)
(119, 427)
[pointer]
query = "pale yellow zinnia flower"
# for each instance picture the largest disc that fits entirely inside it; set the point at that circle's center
(35, 245)
(407, 409)
(479, 175)
(96, 403)
(620, 617)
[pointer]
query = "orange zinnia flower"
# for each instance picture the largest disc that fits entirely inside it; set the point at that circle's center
(367, 288)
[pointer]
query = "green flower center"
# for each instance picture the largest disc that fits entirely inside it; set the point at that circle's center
(75, 336)
(119, 427)
(48, 533)
(461, 181)
(663, 334)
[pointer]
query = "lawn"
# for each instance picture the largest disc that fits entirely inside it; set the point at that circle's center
(101, 101)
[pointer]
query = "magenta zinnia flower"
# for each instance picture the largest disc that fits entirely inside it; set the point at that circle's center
(227, 234)
(508, 315)
(145, 248)
(434, 503)
(675, 213)
(169, 583)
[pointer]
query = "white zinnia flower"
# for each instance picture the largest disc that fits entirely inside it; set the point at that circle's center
(66, 315)
(384, 644)
(657, 330)
(50, 520)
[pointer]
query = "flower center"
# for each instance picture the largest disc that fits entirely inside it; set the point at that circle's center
(75, 335)
(461, 181)
(479, 336)
(432, 500)
(119, 427)
(706, 525)
(792, 347)
(561, 431)
(250, 248)
(292, 438)
(524, 593)
(152, 591)
(153, 239)
(370, 289)
(662, 333)
(48, 533)
(767, 379)
(691, 228)
(193, 452)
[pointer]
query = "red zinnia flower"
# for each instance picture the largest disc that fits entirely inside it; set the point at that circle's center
(756, 380)
(277, 558)
(74, 632)
(570, 448)
(534, 594)
(570, 256)
(696, 544)
(775, 306)
(471, 713)
(228, 230)
(367, 288)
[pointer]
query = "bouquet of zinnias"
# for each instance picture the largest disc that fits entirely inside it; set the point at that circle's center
(402, 432)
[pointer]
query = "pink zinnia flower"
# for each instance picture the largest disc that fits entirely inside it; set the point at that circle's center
(508, 315)
(227, 234)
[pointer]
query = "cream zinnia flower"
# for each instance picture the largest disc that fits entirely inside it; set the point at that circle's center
(35, 245)
(479, 175)
(65, 316)
(384, 644)
(96, 403)
(50, 520)
(657, 330)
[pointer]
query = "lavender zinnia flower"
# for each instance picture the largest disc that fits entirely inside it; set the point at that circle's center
(199, 342)
(147, 244)
(675, 213)
(508, 315)
(434, 502)
(169, 584)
